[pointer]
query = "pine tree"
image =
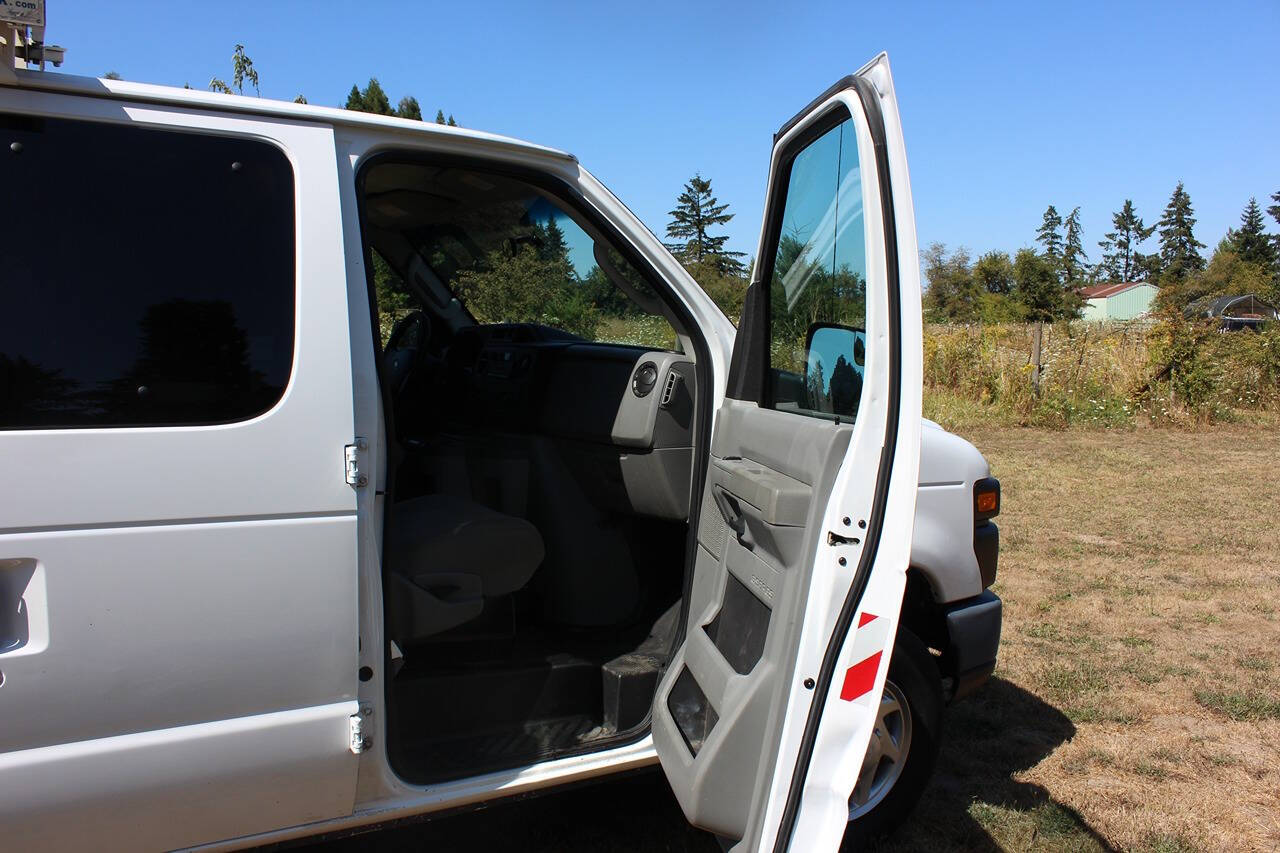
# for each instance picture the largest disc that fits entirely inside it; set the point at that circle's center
(1048, 236)
(553, 245)
(1120, 256)
(355, 101)
(440, 117)
(1179, 255)
(372, 100)
(1250, 242)
(1073, 254)
(696, 212)
(1274, 209)
(408, 108)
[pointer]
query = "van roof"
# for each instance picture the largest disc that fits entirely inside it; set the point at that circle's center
(125, 90)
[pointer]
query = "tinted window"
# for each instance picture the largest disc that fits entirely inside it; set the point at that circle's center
(148, 276)
(817, 292)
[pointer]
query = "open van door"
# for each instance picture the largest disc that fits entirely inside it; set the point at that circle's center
(763, 718)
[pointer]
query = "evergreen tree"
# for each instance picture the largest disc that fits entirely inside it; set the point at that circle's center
(1048, 236)
(1179, 249)
(440, 119)
(408, 108)
(1250, 242)
(1147, 266)
(551, 237)
(372, 100)
(1073, 254)
(697, 211)
(1120, 256)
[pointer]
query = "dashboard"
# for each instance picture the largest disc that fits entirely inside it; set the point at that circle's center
(621, 418)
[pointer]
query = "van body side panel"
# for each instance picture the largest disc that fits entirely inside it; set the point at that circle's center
(190, 663)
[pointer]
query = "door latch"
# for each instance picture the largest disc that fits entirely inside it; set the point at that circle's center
(351, 458)
(360, 728)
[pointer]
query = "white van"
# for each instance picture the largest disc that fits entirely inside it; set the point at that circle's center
(277, 560)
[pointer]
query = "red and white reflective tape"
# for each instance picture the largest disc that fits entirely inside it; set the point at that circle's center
(867, 648)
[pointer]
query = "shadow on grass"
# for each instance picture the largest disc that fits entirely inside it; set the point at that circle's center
(973, 802)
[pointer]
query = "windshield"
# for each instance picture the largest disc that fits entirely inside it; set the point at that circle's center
(510, 253)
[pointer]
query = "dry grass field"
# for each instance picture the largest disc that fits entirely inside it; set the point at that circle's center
(1137, 701)
(1137, 704)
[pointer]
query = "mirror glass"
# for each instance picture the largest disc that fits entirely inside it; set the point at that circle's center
(834, 363)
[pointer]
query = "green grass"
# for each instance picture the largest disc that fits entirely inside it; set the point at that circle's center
(1240, 705)
(1047, 826)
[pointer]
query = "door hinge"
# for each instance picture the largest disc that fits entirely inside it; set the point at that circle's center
(351, 457)
(360, 734)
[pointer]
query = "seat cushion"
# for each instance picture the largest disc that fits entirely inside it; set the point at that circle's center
(442, 534)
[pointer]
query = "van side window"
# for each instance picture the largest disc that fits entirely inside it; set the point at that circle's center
(148, 276)
(817, 289)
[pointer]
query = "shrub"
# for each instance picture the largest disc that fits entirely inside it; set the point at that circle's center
(1163, 371)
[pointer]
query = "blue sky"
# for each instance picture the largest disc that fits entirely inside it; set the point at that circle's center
(1006, 107)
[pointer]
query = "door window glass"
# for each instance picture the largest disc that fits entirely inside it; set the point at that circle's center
(817, 290)
(148, 276)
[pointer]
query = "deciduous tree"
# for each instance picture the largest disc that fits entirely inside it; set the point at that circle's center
(952, 294)
(1037, 288)
(241, 70)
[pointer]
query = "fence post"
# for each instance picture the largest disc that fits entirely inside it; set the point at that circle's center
(1037, 338)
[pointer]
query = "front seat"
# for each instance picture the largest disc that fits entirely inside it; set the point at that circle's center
(445, 556)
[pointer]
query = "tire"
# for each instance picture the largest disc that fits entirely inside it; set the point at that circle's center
(911, 711)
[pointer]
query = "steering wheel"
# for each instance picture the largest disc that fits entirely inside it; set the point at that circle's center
(408, 336)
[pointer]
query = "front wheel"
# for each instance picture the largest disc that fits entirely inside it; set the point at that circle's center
(903, 747)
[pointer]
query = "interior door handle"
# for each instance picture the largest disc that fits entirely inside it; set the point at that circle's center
(730, 510)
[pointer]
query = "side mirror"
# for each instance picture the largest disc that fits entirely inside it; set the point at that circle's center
(835, 359)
